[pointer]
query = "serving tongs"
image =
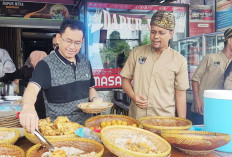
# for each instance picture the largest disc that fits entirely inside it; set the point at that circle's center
(44, 141)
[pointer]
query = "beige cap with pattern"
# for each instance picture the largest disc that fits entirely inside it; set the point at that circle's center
(228, 34)
(163, 19)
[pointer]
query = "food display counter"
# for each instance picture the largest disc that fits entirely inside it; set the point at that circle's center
(119, 130)
(151, 132)
(115, 132)
(25, 145)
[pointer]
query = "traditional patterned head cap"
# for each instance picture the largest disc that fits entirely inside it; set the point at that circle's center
(163, 19)
(228, 34)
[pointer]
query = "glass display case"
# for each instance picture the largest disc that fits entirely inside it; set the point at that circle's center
(194, 48)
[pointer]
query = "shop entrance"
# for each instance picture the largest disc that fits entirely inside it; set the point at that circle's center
(36, 39)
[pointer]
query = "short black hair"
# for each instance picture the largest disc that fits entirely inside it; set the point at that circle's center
(72, 24)
(54, 35)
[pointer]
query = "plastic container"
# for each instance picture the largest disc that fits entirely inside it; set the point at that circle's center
(197, 128)
(218, 114)
(9, 89)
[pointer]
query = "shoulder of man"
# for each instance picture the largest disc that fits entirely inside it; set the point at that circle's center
(49, 57)
(82, 57)
(3, 50)
(140, 49)
(213, 55)
(178, 54)
(4, 53)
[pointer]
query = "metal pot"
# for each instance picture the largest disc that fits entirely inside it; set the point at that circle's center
(120, 95)
(8, 90)
(115, 93)
(126, 99)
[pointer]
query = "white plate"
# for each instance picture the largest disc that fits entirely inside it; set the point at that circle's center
(13, 97)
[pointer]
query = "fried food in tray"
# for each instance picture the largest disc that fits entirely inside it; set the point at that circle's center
(96, 104)
(59, 153)
(61, 119)
(68, 152)
(60, 126)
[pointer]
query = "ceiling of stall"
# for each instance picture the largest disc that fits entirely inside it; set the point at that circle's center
(37, 34)
(29, 23)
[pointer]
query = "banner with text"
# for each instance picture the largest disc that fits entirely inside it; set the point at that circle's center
(108, 20)
(35, 10)
(107, 78)
(201, 19)
(223, 14)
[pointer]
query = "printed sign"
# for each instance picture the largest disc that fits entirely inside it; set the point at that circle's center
(201, 20)
(35, 10)
(223, 14)
(107, 78)
(106, 20)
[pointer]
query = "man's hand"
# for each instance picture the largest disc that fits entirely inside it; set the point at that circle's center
(140, 101)
(28, 116)
(199, 107)
(29, 119)
(97, 99)
(198, 104)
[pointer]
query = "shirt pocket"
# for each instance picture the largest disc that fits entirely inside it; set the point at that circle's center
(217, 69)
(167, 73)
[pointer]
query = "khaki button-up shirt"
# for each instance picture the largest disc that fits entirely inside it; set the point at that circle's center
(156, 78)
(210, 73)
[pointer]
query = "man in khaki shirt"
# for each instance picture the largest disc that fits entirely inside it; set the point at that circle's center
(209, 75)
(228, 81)
(159, 73)
(228, 72)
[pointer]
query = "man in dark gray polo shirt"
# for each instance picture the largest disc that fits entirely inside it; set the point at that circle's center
(65, 77)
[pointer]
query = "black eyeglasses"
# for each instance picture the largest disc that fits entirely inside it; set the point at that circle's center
(70, 42)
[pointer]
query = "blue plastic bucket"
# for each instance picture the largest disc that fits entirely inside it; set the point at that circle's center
(218, 114)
